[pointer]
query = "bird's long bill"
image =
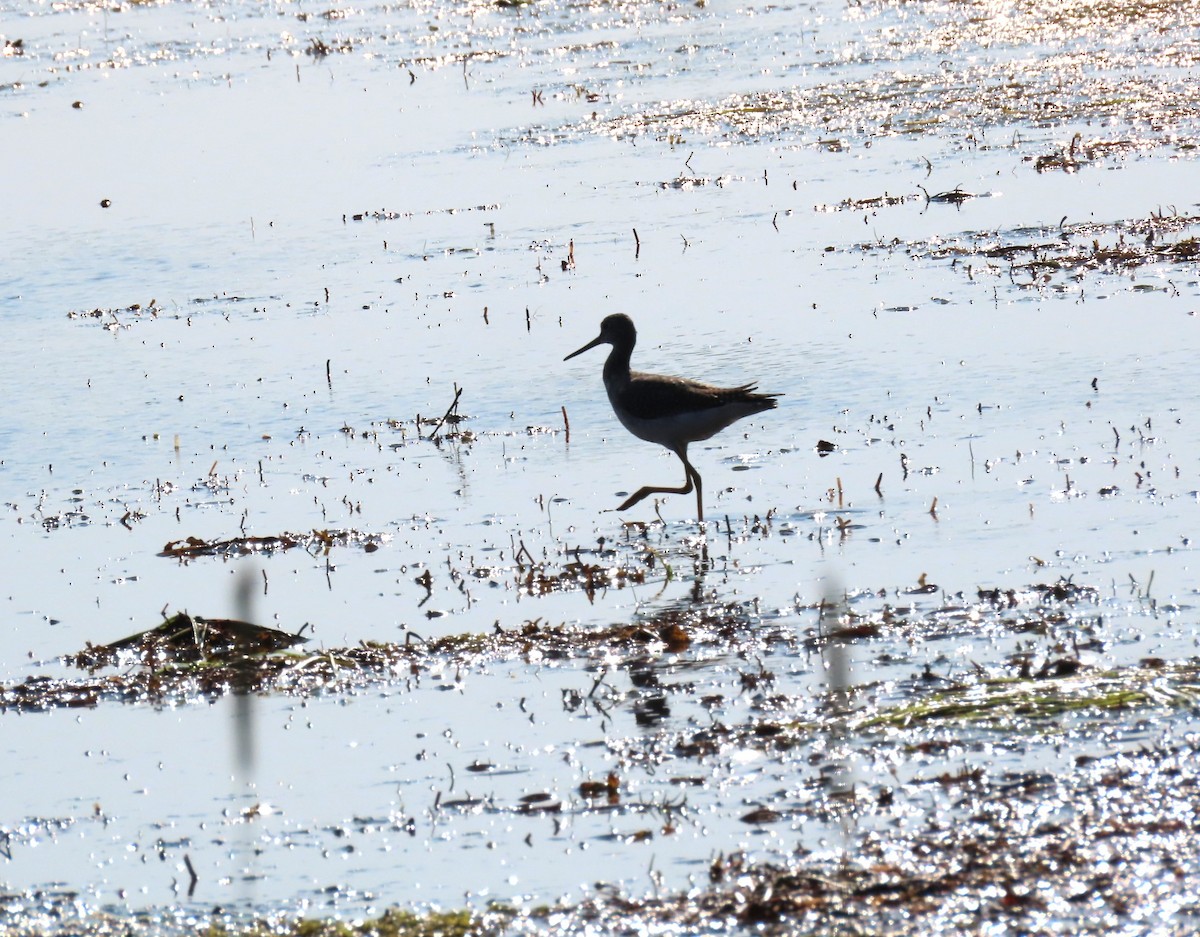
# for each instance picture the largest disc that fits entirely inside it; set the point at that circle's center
(598, 340)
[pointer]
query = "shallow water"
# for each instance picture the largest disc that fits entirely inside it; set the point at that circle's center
(277, 334)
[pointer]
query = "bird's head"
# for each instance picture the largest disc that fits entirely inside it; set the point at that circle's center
(616, 329)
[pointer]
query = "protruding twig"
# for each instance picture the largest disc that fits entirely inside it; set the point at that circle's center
(529, 556)
(566, 424)
(599, 680)
(445, 416)
(879, 485)
(193, 878)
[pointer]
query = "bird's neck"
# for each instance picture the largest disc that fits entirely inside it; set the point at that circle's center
(616, 367)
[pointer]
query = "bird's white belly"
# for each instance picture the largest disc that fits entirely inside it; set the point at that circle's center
(677, 430)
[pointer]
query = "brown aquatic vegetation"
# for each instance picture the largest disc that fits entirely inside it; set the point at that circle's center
(1080, 153)
(572, 572)
(970, 101)
(969, 67)
(184, 656)
(184, 638)
(318, 48)
(1074, 250)
(992, 22)
(316, 542)
(49, 913)
(859, 204)
(1114, 855)
(591, 578)
(996, 854)
(113, 319)
(1106, 862)
(191, 657)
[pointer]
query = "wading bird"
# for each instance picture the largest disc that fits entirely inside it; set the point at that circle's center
(671, 411)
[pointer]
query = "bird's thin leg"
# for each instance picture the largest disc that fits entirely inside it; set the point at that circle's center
(652, 490)
(693, 475)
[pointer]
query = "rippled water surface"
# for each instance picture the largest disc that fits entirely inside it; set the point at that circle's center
(248, 246)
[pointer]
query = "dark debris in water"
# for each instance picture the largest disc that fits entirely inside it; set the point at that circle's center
(1080, 153)
(118, 318)
(867, 203)
(186, 655)
(939, 846)
(1034, 700)
(184, 638)
(1064, 590)
(62, 913)
(591, 576)
(955, 196)
(113, 320)
(385, 214)
(969, 100)
(1037, 258)
(1037, 608)
(191, 657)
(1108, 864)
(318, 48)
(1061, 696)
(965, 67)
(315, 542)
(683, 181)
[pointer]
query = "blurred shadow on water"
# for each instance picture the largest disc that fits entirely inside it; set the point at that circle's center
(243, 705)
(837, 774)
(245, 742)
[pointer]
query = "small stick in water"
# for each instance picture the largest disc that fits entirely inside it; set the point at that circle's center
(446, 415)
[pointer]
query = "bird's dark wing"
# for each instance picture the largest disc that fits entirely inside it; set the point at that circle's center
(649, 396)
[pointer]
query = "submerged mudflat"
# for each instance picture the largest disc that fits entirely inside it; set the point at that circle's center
(320, 617)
